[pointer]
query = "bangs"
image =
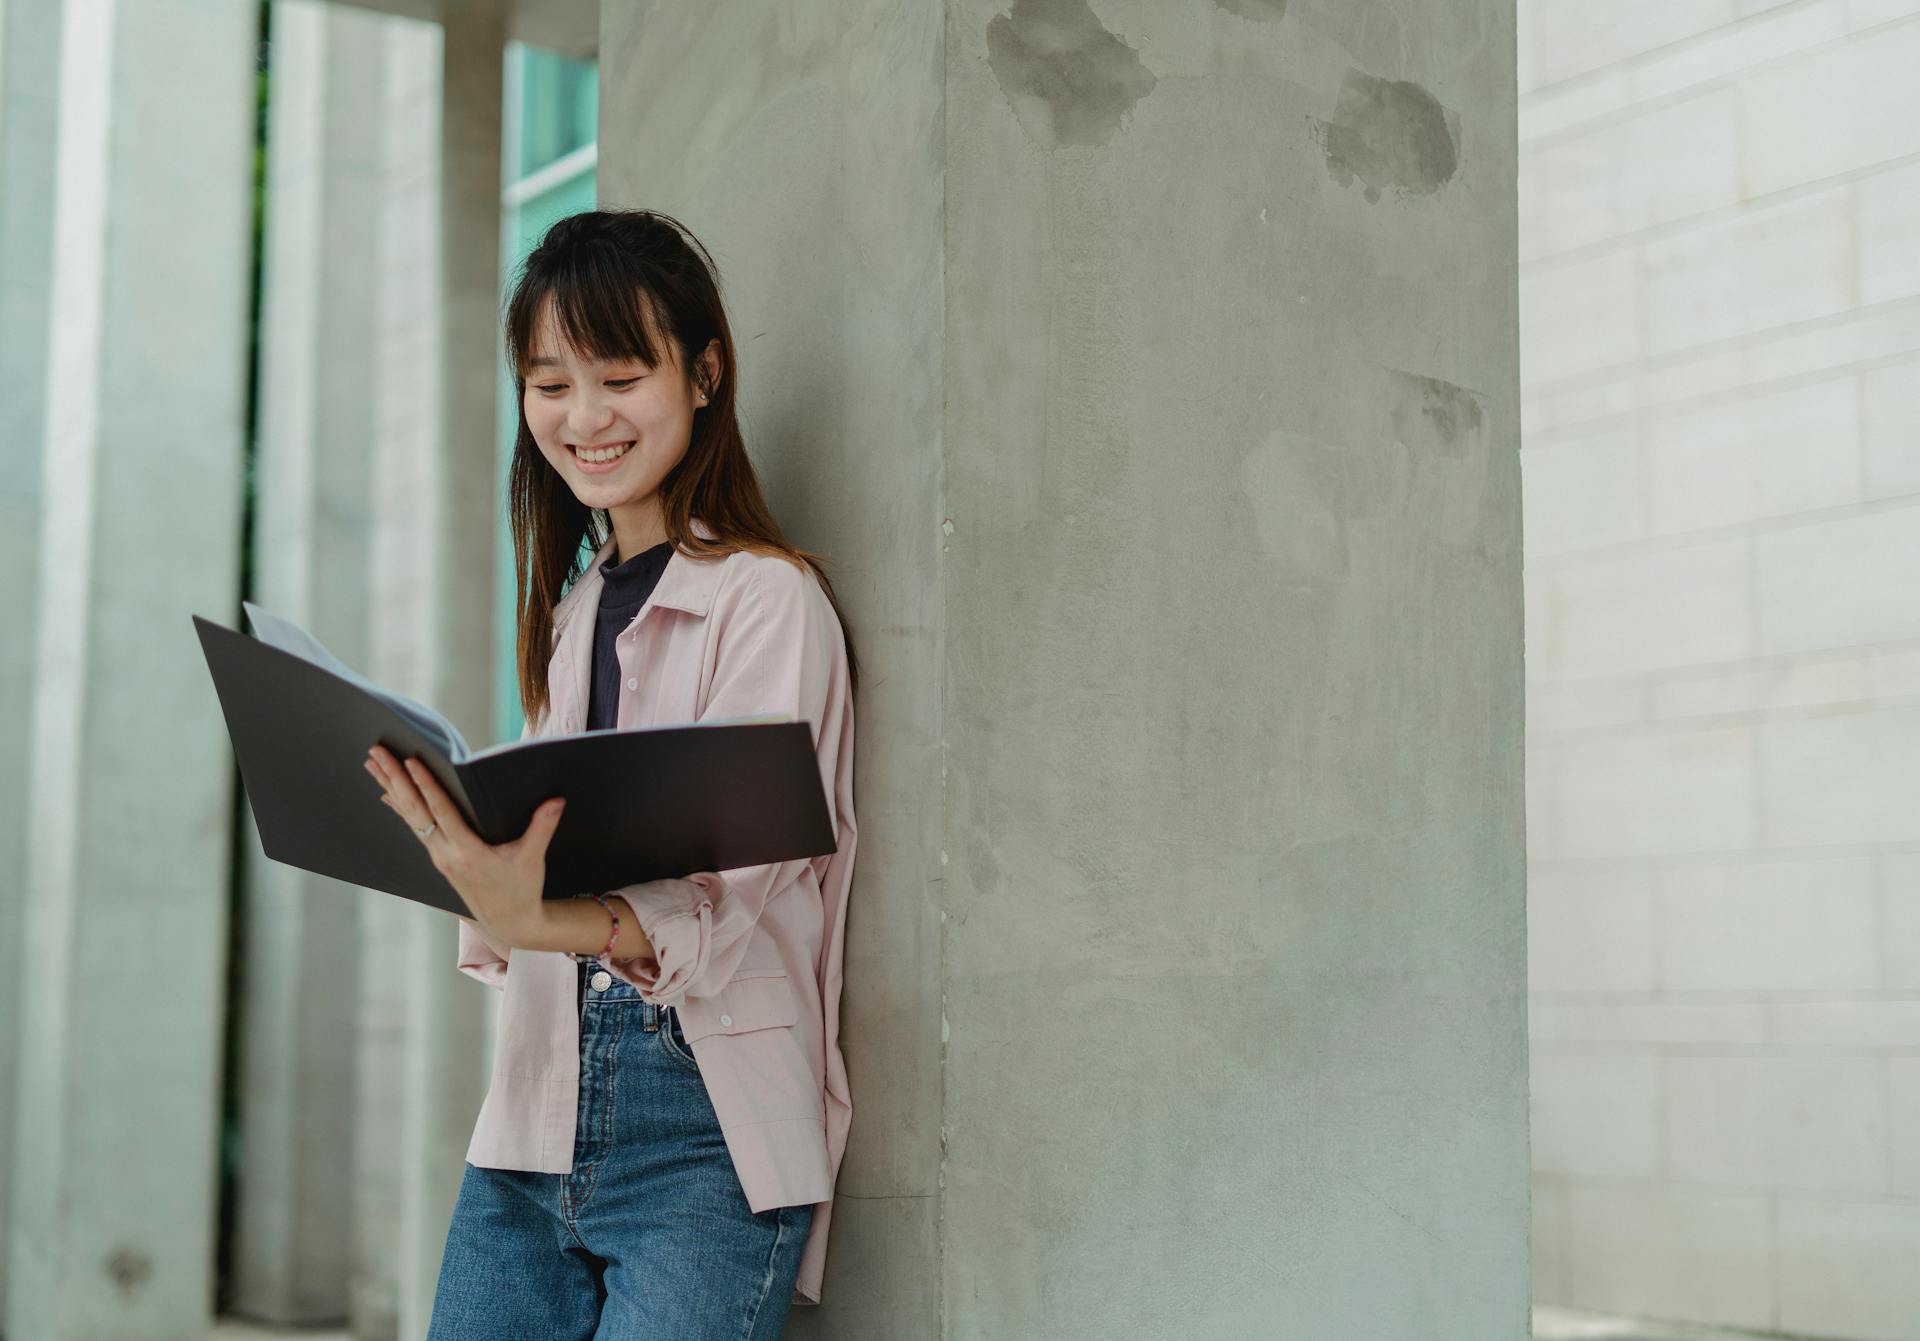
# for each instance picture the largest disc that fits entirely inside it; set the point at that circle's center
(600, 312)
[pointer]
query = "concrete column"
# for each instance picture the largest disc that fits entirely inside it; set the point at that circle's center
(123, 971)
(1186, 985)
(29, 63)
(315, 431)
(400, 552)
(437, 514)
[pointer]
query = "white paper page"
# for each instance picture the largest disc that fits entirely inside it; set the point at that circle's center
(289, 637)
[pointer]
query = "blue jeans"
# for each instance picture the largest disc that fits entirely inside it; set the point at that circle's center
(649, 1237)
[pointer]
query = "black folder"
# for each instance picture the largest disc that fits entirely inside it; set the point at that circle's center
(642, 804)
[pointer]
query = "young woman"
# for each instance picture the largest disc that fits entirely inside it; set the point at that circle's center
(659, 1143)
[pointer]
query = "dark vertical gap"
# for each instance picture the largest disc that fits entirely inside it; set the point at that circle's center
(235, 1022)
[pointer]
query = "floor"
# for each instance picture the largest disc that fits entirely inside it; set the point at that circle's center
(1567, 1324)
(1549, 1324)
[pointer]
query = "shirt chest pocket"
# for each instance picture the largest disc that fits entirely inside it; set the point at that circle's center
(664, 664)
(760, 999)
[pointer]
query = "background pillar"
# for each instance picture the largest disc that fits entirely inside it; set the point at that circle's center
(123, 970)
(442, 517)
(293, 1227)
(29, 66)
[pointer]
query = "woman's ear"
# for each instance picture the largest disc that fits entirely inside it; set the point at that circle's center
(710, 366)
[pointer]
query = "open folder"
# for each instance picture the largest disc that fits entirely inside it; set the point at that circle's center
(642, 804)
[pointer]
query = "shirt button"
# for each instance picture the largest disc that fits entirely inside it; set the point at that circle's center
(726, 1021)
(601, 981)
(633, 684)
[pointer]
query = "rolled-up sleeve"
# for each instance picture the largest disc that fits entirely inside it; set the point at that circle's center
(478, 960)
(782, 651)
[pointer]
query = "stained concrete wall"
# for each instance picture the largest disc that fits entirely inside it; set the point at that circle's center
(1721, 296)
(1151, 373)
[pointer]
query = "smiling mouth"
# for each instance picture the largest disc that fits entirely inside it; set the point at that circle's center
(599, 456)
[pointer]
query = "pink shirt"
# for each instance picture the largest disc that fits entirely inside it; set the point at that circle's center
(752, 956)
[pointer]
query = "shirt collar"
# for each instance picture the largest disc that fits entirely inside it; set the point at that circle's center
(625, 585)
(687, 583)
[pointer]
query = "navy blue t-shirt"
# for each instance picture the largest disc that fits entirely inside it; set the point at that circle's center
(624, 589)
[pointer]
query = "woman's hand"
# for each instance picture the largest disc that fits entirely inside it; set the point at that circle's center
(501, 883)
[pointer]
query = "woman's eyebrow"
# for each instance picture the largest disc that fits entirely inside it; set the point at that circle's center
(592, 363)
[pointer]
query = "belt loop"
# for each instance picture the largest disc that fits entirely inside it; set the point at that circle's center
(650, 1021)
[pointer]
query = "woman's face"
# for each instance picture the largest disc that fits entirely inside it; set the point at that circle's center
(614, 430)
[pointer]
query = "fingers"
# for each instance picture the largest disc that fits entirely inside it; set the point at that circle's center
(414, 794)
(546, 818)
(402, 795)
(432, 795)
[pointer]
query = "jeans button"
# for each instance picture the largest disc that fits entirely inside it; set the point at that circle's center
(601, 981)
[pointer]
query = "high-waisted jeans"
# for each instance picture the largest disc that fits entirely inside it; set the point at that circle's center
(650, 1238)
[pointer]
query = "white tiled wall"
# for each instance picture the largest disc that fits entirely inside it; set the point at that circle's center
(1720, 306)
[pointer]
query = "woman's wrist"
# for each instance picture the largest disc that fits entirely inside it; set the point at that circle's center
(580, 926)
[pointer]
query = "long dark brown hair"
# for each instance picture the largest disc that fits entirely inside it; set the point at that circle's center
(612, 275)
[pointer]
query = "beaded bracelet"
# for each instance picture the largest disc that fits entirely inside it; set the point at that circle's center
(612, 936)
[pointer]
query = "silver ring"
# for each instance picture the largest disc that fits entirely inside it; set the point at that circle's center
(428, 830)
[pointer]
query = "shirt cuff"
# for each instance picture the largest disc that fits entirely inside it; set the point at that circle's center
(477, 959)
(677, 917)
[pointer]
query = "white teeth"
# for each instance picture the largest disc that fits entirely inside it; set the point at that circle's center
(601, 458)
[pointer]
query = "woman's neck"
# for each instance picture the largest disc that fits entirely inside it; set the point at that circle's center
(636, 527)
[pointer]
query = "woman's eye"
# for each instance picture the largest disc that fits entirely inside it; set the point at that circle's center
(561, 386)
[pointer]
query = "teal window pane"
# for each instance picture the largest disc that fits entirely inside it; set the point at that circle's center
(558, 112)
(539, 213)
(559, 107)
